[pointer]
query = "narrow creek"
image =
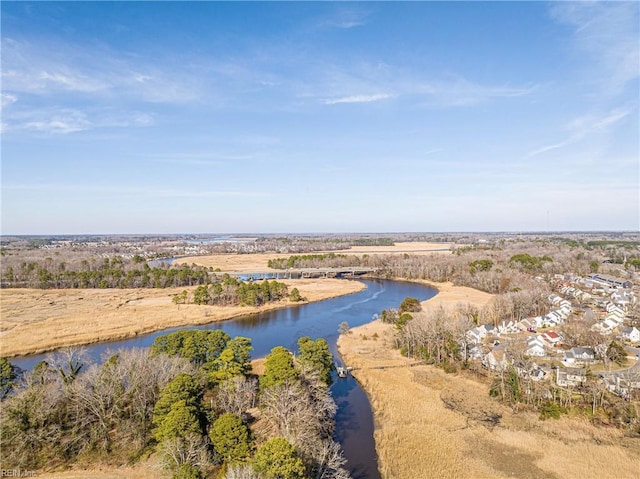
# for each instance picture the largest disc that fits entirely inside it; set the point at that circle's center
(354, 420)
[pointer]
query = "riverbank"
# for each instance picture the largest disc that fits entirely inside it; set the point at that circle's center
(36, 321)
(433, 424)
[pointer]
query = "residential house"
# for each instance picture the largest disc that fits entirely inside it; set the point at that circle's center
(552, 338)
(495, 360)
(529, 370)
(535, 347)
(567, 377)
(623, 297)
(611, 281)
(622, 386)
(629, 333)
(476, 334)
(579, 355)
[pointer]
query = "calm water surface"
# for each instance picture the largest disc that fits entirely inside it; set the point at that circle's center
(354, 420)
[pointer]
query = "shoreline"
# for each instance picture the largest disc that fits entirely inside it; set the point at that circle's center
(443, 416)
(39, 321)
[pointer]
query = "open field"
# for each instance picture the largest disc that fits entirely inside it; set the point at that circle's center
(433, 424)
(253, 262)
(36, 320)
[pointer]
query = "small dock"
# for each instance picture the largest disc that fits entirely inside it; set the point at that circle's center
(343, 372)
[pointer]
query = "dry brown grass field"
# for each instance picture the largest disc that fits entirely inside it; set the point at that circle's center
(36, 320)
(430, 424)
(253, 262)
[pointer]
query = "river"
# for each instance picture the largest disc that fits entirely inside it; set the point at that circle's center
(354, 419)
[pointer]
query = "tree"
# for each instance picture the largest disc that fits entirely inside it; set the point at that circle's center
(409, 305)
(235, 360)
(187, 471)
(403, 320)
(616, 353)
(295, 296)
(181, 420)
(237, 394)
(278, 368)
(316, 356)
(69, 362)
(231, 438)
(196, 345)
(180, 298)
(241, 471)
(300, 411)
(201, 295)
(183, 388)
(7, 375)
(343, 328)
(277, 459)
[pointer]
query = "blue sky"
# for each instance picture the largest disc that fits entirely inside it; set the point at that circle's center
(210, 117)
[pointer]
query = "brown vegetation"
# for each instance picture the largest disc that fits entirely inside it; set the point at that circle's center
(460, 432)
(36, 320)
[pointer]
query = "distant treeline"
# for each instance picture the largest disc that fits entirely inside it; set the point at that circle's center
(111, 273)
(327, 260)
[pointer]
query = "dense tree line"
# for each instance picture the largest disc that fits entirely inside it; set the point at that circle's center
(230, 291)
(327, 260)
(191, 398)
(109, 273)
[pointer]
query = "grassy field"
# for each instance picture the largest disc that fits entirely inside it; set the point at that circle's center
(432, 424)
(36, 320)
(253, 262)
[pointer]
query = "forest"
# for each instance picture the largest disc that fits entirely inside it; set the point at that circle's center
(191, 399)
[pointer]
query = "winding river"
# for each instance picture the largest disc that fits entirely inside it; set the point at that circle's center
(354, 420)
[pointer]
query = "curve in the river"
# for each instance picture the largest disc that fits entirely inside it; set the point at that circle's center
(354, 420)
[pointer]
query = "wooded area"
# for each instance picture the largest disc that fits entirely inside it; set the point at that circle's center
(191, 398)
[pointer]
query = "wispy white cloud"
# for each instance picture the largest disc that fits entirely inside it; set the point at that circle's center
(583, 126)
(54, 68)
(132, 191)
(8, 99)
(608, 33)
(358, 98)
(346, 18)
(62, 121)
(459, 91)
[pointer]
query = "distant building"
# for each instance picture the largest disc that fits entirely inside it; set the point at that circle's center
(611, 281)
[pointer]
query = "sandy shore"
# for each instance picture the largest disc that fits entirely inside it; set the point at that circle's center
(431, 424)
(35, 320)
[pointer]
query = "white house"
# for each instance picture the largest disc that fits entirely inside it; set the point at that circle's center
(476, 334)
(570, 376)
(579, 356)
(535, 348)
(495, 360)
(630, 333)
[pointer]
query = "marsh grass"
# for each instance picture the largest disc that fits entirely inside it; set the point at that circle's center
(433, 424)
